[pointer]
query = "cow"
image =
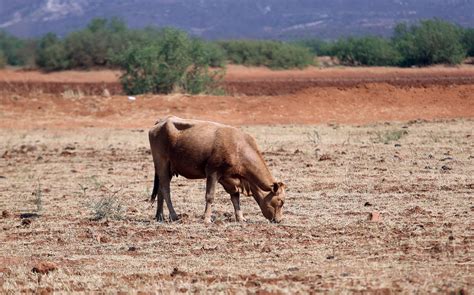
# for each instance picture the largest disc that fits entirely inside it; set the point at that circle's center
(219, 153)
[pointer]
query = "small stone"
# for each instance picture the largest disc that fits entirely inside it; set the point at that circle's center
(26, 222)
(6, 214)
(367, 204)
(44, 267)
(375, 217)
(325, 157)
(446, 168)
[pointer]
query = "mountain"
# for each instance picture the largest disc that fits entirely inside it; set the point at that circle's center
(224, 19)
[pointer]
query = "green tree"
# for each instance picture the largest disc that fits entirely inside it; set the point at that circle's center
(3, 60)
(169, 63)
(468, 41)
(317, 46)
(11, 47)
(368, 51)
(273, 54)
(51, 54)
(430, 42)
(96, 44)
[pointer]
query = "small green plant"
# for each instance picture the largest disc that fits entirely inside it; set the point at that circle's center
(389, 136)
(108, 208)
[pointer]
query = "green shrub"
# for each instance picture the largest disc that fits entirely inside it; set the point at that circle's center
(96, 44)
(51, 54)
(430, 42)
(317, 46)
(3, 60)
(468, 41)
(207, 53)
(273, 54)
(12, 49)
(368, 51)
(170, 63)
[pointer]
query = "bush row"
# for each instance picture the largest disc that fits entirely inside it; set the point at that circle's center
(272, 54)
(426, 43)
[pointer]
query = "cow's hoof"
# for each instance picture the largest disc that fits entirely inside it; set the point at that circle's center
(160, 218)
(174, 217)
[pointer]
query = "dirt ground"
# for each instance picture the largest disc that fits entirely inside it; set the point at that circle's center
(401, 154)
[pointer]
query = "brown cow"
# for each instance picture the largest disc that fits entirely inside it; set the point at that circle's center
(200, 149)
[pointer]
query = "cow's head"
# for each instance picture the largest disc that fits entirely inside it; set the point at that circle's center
(273, 202)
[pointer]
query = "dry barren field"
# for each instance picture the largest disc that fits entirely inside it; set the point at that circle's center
(380, 193)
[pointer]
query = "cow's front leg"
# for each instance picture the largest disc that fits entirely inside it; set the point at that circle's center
(211, 181)
(165, 180)
(235, 198)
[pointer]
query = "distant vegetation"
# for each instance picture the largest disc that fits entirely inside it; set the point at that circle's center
(272, 54)
(165, 60)
(427, 43)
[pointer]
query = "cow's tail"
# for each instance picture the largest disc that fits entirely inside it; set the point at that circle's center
(156, 185)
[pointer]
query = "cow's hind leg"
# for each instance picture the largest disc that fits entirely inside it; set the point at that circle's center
(165, 180)
(156, 192)
(211, 181)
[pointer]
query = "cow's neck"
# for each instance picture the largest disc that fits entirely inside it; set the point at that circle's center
(257, 194)
(260, 178)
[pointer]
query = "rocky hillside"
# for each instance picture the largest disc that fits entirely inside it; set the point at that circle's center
(234, 19)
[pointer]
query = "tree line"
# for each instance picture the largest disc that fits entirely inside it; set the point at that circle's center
(162, 60)
(426, 43)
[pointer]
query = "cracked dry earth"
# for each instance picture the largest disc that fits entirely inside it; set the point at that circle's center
(416, 177)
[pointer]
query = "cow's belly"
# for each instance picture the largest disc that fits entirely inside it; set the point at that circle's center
(187, 170)
(188, 165)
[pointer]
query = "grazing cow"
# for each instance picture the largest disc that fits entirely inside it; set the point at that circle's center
(201, 149)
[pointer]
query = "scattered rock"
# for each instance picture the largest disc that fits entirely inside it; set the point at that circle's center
(29, 215)
(266, 249)
(375, 216)
(6, 214)
(447, 159)
(293, 269)
(177, 272)
(67, 153)
(325, 157)
(103, 239)
(44, 267)
(446, 168)
(367, 204)
(398, 145)
(132, 249)
(26, 222)
(329, 257)
(2, 177)
(106, 93)
(69, 147)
